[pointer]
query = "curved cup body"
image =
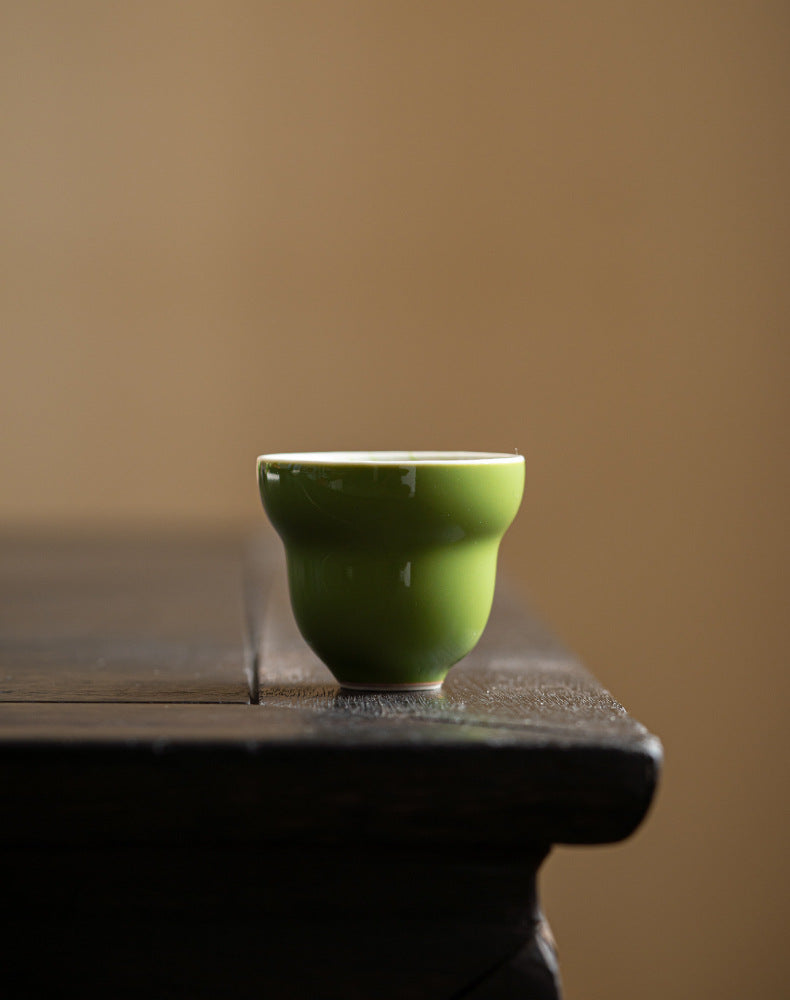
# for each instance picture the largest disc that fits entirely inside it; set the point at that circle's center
(391, 563)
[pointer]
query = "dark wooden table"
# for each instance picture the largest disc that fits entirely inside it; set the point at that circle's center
(191, 807)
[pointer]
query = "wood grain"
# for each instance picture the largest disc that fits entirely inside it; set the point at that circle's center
(145, 618)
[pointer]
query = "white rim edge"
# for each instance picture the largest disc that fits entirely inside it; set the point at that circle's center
(400, 458)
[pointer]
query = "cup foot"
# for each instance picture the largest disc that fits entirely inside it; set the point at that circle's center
(416, 686)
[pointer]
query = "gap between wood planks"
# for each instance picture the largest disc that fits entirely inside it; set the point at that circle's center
(258, 579)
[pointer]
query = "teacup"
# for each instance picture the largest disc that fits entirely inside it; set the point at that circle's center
(391, 555)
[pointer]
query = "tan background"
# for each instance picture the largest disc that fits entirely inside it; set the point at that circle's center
(228, 228)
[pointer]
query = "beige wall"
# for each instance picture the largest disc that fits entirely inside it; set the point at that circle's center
(227, 228)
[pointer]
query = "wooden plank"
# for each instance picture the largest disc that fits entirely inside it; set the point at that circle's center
(145, 618)
(166, 773)
(521, 745)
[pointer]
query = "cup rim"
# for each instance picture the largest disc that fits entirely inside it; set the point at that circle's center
(400, 459)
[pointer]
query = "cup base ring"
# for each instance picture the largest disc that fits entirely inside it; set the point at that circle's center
(415, 686)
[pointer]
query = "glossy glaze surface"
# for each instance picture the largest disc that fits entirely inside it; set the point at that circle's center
(391, 556)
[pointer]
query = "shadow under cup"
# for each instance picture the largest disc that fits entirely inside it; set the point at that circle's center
(391, 555)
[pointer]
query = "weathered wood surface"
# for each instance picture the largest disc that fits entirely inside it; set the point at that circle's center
(521, 743)
(193, 808)
(136, 618)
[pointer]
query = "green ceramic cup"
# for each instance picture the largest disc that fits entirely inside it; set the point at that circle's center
(391, 555)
